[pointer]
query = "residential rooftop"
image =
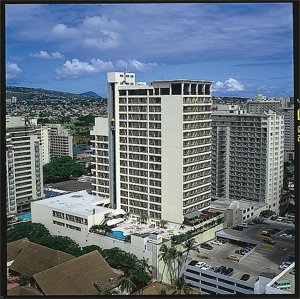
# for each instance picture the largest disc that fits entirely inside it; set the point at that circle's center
(80, 203)
(71, 186)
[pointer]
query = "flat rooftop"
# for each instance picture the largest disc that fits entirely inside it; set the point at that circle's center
(264, 259)
(71, 186)
(78, 203)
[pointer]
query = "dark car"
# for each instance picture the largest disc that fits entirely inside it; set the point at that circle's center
(273, 218)
(266, 233)
(193, 263)
(245, 277)
(228, 272)
(221, 269)
(237, 228)
(238, 251)
(206, 246)
(270, 241)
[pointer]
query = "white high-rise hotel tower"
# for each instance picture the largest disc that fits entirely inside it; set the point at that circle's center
(153, 154)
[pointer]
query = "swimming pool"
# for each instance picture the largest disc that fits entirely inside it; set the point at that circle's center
(26, 216)
(117, 235)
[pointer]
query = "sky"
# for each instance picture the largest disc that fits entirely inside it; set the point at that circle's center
(245, 49)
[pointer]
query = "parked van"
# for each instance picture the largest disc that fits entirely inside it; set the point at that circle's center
(282, 284)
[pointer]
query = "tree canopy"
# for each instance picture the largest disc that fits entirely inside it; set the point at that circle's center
(61, 168)
(33, 231)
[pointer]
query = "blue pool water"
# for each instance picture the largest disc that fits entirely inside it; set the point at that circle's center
(26, 216)
(117, 235)
(49, 193)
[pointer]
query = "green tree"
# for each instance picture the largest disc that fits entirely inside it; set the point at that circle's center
(61, 168)
(143, 218)
(163, 255)
(189, 245)
(267, 213)
(61, 243)
(181, 287)
(163, 223)
(24, 279)
(108, 292)
(32, 231)
(90, 248)
(126, 284)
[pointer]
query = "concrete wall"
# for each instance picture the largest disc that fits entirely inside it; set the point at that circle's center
(172, 158)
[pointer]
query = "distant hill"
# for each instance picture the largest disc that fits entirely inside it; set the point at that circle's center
(25, 93)
(90, 94)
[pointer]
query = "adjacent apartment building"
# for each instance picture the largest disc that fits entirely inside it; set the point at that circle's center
(289, 133)
(248, 152)
(61, 141)
(261, 104)
(157, 143)
(23, 165)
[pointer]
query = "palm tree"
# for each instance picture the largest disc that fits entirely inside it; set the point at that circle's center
(172, 255)
(143, 218)
(181, 287)
(164, 250)
(163, 223)
(189, 245)
(126, 284)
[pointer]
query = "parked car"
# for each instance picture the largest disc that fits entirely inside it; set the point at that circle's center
(243, 224)
(206, 267)
(193, 263)
(221, 269)
(233, 257)
(228, 272)
(214, 268)
(273, 217)
(270, 241)
(206, 246)
(279, 219)
(200, 264)
(237, 228)
(282, 267)
(275, 230)
(283, 235)
(245, 277)
(282, 284)
(238, 251)
(216, 242)
(266, 233)
(251, 223)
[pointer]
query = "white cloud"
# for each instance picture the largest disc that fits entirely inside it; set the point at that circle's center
(73, 69)
(46, 55)
(229, 85)
(63, 31)
(12, 70)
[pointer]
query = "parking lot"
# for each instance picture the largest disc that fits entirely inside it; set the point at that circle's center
(263, 259)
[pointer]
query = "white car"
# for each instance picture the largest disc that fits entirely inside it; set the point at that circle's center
(283, 235)
(206, 267)
(282, 266)
(289, 236)
(200, 264)
(216, 242)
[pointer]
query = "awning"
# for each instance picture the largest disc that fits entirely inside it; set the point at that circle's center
(114, 221)
(192, 215)
(118, 212)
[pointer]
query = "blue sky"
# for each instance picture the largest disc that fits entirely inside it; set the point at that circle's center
(245, 48)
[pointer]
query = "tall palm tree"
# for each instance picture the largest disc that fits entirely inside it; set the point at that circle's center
(172, 255)
(164, 251)
(181, 287)
(189, 245)
(126, 284)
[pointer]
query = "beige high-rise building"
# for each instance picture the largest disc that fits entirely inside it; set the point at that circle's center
(23, 165)
(159, 144)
